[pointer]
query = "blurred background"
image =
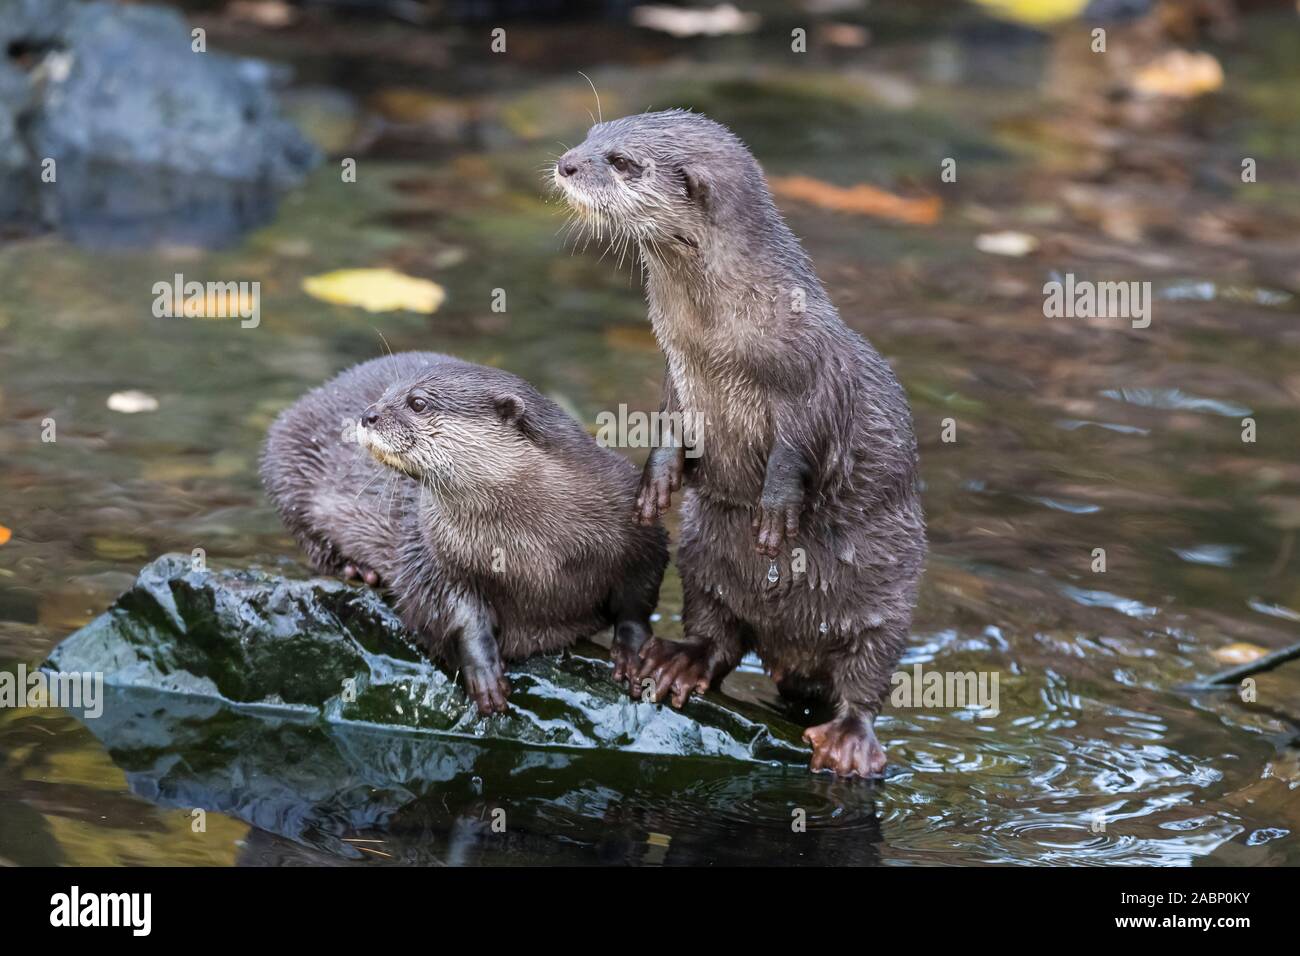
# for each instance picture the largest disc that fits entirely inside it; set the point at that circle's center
(308, 138)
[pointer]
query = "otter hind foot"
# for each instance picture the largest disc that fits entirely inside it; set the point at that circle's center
(846, 746)
(356, 572)
(676, 666)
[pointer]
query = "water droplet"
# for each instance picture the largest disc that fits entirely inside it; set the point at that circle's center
(773, 574)
(823, 627)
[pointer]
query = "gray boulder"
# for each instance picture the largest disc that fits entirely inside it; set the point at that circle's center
(118, 92)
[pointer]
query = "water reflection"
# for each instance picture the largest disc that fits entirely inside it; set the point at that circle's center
(368, 794)
(101, 205)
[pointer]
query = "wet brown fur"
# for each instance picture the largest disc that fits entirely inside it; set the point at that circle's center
(499, 527)
(807, 443)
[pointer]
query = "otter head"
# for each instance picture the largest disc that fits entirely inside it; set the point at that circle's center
(451, 426)
(673, 180)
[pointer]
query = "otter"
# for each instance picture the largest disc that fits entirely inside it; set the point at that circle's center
(495, 522)
(802, 533)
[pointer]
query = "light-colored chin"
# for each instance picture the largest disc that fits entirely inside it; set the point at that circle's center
(380, 450)
(577, 199)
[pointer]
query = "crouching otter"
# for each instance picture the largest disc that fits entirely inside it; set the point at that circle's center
(802, 533)
(497, 524)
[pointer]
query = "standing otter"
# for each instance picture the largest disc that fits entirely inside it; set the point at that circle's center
(807, 435)
(497, 523)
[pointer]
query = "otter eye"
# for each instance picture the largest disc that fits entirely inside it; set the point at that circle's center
(416, 404)
(619, 162)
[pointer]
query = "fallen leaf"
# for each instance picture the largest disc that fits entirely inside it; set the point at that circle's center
(376, 290)
(1285, 767)
(860, 199)
(679, 22)
(121, 548)
(1006, 243)
(1180, 74)
(1034, 12)
(1239, 653)
(845, 34)
(132, 401)
(5, 534)
(268, 13)
(217, 301)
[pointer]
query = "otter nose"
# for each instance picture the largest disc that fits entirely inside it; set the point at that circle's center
(369, 417)
(567, 165)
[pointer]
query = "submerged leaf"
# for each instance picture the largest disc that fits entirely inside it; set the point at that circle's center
(1006, 243)
(723, 19)
(132, 401)
(1238, 653)
(1180, 74)
(861, 199)
(376, 290)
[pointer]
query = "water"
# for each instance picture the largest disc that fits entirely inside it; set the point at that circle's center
(1070, 436)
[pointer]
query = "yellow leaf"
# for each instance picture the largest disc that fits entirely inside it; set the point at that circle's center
(123, 548)
(376, 290)
(1034, 12)
(1239, 653)
(5, 534)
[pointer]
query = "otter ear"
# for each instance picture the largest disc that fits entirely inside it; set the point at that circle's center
(510, 408)
(698, 189)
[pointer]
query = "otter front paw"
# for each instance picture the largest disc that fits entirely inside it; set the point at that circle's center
(846, 746)
(672, 665)
(661, 477)
(488, 687)
(356, 572)
(774, 523)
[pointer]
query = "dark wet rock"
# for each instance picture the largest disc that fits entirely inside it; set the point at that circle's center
(324, 651)
(118, 92)
(231, 691)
